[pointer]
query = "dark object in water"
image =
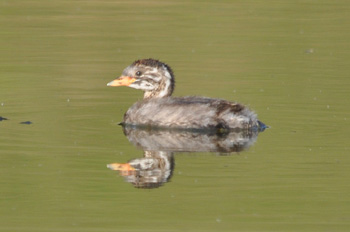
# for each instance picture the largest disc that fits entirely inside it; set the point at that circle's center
(26, 122)
(2, 118)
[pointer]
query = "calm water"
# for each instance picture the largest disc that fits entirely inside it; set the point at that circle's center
(287, 61)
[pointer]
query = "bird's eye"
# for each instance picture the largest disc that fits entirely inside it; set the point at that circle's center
(138, 73)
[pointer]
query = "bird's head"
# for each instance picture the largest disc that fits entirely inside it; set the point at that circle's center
(155, 78)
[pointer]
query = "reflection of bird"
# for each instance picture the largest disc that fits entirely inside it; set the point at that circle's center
(151, 171)
(163, 139)
(156, 79)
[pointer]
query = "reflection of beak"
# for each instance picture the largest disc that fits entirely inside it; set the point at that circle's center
(122, 81)
(120, 167)
(124, 169)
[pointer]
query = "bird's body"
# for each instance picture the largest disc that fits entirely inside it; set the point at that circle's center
(159, 109)
(190, 112)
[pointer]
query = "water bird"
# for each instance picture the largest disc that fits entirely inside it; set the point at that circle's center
(159, 109)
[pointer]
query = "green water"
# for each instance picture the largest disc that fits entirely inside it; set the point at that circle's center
(287, 60)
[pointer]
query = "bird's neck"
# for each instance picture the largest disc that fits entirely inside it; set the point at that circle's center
(165, 89)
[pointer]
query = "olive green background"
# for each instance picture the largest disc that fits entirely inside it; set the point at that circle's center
(287, 60)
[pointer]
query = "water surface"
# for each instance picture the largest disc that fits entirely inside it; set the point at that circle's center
(287, 60)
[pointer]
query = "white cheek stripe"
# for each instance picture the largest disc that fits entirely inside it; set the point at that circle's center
(167, 74)
(155, 72)
(142, 86)
(165, 90)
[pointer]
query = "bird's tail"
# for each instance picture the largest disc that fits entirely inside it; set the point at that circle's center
(262, 126)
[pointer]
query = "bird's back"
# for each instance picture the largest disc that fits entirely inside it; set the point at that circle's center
(191, 112)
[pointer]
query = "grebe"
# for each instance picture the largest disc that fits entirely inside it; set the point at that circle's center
(159, 109)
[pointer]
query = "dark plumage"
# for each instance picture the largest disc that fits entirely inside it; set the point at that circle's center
(159, 109)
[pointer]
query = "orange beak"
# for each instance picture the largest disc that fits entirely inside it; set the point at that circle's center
(124, 169)
(122, 81)
(120, 167)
